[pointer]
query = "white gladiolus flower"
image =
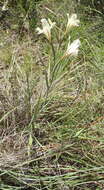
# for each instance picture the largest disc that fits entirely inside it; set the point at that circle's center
(72, 48)
(72, 21)
(47, 26)
(4, 8)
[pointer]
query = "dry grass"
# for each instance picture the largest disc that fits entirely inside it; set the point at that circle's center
(55, 141)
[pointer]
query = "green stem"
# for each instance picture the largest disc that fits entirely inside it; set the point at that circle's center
(53, 51)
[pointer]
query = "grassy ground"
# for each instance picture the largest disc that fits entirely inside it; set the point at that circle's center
(52, 134)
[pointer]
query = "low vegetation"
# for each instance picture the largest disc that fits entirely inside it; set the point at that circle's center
(52, 97)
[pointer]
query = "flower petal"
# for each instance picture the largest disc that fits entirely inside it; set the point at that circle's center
(39, 30)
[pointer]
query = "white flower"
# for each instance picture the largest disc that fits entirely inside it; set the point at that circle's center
(72, 48)
(4, 8)
(72, 21)
(47, 26)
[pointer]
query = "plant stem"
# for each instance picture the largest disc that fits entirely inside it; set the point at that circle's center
(53, 52)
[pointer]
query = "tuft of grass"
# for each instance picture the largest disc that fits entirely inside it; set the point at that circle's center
(52, 133)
